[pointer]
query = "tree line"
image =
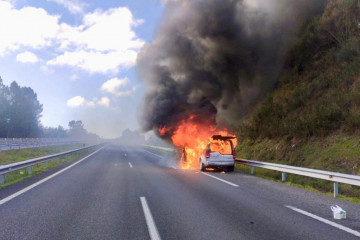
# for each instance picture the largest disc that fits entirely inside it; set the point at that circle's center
(20, 113)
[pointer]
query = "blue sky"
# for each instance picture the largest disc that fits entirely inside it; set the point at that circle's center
(79, 57)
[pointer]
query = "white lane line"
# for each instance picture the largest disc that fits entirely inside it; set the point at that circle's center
(154, 234)
(14, 195)
(341, 227)
(222, 180)
(130, 165)
(153, 153)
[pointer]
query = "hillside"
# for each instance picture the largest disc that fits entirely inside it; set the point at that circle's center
(312, 118)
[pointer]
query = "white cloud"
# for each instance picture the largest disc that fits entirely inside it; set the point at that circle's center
(47, 70)
(104, 101)
(29, 26)
(74, 77)
(73, 6)
(95, 61)
(27, 57)
(79, 101)
(76, 101)
(114, 86)
(129, 92)
(105, 42)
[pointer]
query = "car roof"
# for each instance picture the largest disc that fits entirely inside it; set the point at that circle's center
(220, 137)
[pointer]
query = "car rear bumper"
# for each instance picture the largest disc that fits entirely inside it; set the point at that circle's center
(220, 163)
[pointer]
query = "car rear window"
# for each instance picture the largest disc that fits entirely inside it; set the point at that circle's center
(221, 146)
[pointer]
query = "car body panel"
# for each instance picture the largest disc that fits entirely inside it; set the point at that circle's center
(217, 159)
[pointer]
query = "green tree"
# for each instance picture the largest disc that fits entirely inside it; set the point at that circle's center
(76, 129)
(50, 132)
(24, 112)
(4, 109)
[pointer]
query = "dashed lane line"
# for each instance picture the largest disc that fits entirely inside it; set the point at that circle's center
(154, 233)
(222, 180)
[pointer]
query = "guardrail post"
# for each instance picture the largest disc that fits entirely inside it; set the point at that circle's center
(252, 170)
(283, 176)
(58, 160)
(2, 178)
(47, 164)
(336, 189)
(67, 157)
(29, 170)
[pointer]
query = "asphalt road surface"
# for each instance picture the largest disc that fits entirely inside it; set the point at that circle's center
(129, 193)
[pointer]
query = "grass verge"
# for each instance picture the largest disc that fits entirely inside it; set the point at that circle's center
(12, 156)
(18, 155)
(310, 184)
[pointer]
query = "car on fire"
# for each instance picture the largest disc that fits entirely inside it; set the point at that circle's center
(219, 154)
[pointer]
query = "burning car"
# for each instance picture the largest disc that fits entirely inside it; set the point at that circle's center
(200, 141)
(219, 153)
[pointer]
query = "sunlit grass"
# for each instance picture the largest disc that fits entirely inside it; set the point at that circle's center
(346, 192)
(12, 156)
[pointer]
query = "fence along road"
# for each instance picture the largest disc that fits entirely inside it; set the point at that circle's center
(20, 143)
(334, 177)
(5, 169)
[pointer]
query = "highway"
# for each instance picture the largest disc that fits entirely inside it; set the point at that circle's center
(129, 193)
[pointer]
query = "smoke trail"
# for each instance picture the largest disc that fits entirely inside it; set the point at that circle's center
(216, 58)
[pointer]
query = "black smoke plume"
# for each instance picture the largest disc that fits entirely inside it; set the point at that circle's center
(216, 58)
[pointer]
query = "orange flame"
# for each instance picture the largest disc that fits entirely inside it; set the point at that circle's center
(193, 138)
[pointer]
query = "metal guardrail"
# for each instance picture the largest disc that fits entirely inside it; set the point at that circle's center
(4, 169)
(334, 177)
(308, 172)
(160, 148)
(20, 143)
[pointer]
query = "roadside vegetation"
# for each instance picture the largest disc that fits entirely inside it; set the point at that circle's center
(18, 155)
(20, 113)
(11, 156)
(312, 118)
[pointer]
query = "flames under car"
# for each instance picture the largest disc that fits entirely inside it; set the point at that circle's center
(219, 153)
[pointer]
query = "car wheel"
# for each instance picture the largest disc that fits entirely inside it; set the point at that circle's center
(202, 167)
(230, 169)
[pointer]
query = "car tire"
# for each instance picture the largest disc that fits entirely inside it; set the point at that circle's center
(202, 167)
(230, 169)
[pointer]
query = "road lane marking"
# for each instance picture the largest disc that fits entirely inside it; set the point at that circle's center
(153, 153)
(341, 227)
(14, 195)
(130, 165)
(222, 180)
(154, 234)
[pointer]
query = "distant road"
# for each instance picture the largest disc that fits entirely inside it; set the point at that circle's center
(123, 193)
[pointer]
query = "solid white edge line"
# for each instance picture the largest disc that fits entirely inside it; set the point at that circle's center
(341, 227)
(14, 195)
(154, 234)
(130, 165)
(222, 180)
(153, 153)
